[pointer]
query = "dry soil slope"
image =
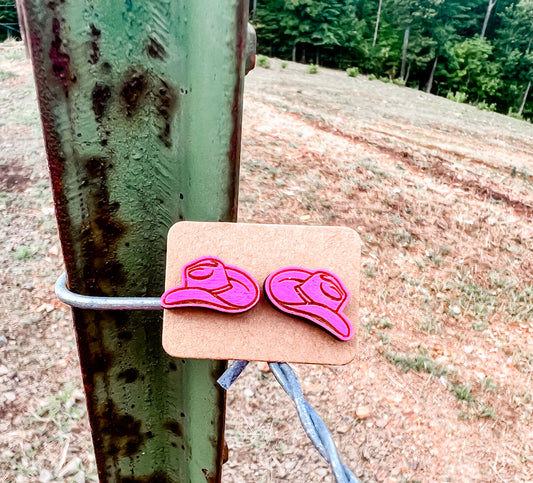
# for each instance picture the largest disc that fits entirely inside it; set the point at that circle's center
(442, 196)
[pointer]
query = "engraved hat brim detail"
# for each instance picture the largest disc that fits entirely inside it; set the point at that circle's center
(289, 289)
(239, 292)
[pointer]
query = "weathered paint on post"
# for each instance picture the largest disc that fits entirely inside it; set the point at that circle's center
(141, 109)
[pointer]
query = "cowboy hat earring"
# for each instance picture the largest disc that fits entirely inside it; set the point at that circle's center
(209, 283)
(318, 296)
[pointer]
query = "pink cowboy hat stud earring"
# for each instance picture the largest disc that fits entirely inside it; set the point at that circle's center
(318, 296)
(209, 283)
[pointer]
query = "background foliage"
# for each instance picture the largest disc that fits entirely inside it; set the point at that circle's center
(480, 51)
(8, 20)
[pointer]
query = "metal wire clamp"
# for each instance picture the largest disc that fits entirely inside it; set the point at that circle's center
(89, 302)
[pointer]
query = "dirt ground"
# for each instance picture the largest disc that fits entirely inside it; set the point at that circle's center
(442, 197)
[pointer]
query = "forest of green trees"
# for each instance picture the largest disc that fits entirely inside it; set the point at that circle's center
(475, 51)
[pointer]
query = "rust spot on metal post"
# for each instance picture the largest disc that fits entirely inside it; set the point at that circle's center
(166, 107)
(158, 477)
(100, 95)
(209, 477)
(174, 427)
(100, 232)
(129, 375)
(225, 453)
(132, 91)
(120, 434)
(52, 4)
(60, 59)
(156, 50)
(95, 37)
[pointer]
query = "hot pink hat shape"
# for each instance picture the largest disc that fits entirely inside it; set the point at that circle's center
(319, 296)
(208, 282)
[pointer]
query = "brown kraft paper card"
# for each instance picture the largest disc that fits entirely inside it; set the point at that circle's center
(262, 333)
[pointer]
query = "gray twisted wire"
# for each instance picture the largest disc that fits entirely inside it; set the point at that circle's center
(312, 423)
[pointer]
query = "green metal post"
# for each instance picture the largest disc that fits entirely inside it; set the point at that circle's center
(141, 109)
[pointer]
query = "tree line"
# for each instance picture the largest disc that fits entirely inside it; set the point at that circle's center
(476, 51)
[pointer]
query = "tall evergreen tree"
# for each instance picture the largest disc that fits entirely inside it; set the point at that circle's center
(515, 45)
(476, 72)
(490, 5)
(443, 27)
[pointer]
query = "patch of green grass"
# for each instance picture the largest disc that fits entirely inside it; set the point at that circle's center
(442, 286)
(504, 283)
(375, 327)
(62, 409)
(522, 396)
(255, 439)
(488, 384)
(396, 220)
(284, 65)
(351, 186)
(485, 106)
(421, 362)
(6, 74)
(520, 304)
(430, 325)
(515, 115)
(263, 61)
(254, 165)
(479, 326)
(402, 239)
(414, 282)
(370, 165)
(377, 323)
(421, 265)
(384, 338)
(479, 300)
(474, 409)
(444, 250)
(522, 360)
(313, 69)
(502, 293)
(49, 226)
(460, 97)
(435, 258)
(24, 253)
(382, 323)
(352, 71)
(484, 411)
(427, 303)
(369, 270)
(15, 50)
(463, 392)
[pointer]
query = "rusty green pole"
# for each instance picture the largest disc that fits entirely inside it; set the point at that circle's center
(141, 109)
